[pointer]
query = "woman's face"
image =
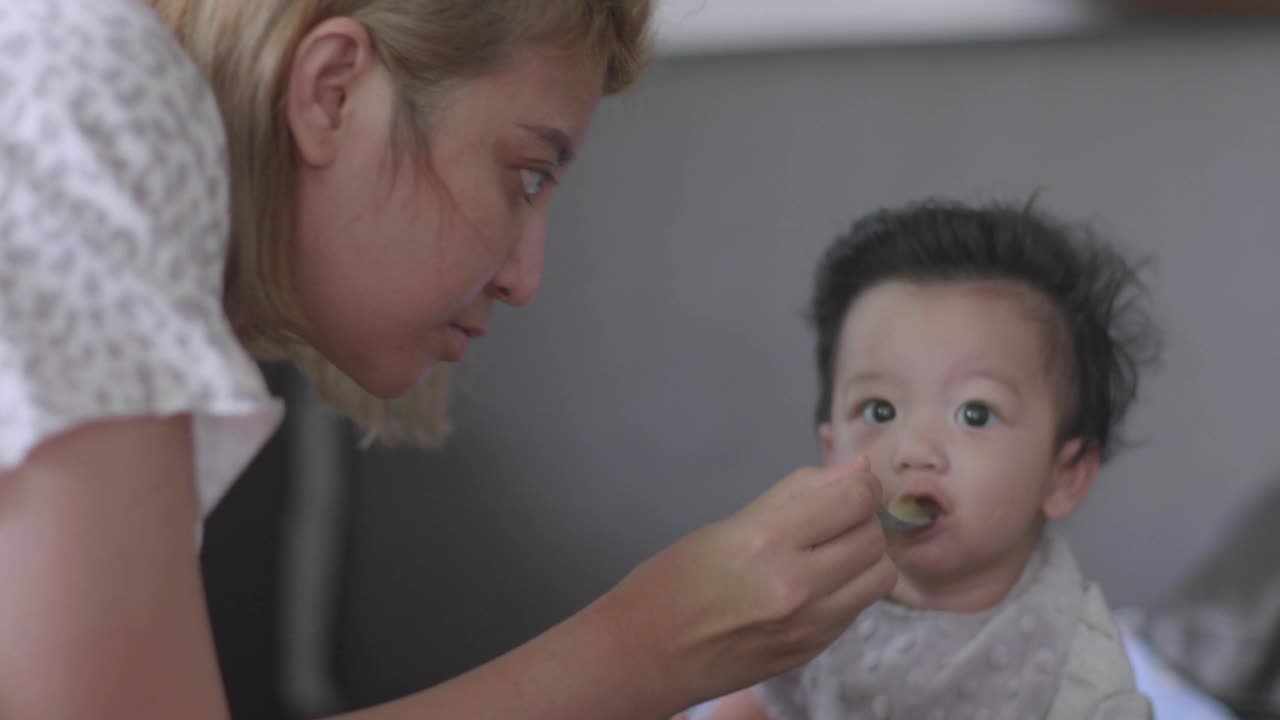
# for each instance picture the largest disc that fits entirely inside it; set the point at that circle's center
(399, 258)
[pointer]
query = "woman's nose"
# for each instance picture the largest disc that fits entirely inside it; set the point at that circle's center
(518, 280)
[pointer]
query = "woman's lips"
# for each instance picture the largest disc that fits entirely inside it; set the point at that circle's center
(456, 348)
(460, 337)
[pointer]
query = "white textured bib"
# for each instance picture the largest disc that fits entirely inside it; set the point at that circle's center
(904, 664)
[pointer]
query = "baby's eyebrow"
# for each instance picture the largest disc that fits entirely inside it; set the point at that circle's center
(990, 376)
(867, 377)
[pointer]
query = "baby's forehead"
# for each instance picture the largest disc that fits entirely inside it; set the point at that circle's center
(978, 302)
(994, 289)
(973, 323)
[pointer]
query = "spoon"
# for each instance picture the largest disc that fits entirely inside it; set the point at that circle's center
(904, 516)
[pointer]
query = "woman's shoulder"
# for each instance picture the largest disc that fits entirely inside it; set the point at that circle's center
(97, 37)
(73, 30)
(104, 82)
(111, 148)
(114, 234)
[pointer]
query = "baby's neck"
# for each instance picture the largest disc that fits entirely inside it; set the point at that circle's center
(971, 593)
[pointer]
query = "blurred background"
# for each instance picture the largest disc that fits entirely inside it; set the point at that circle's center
(664, 377)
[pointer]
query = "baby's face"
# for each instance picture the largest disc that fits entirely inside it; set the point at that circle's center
(947, 389)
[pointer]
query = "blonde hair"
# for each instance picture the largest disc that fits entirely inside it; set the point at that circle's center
(245, 48)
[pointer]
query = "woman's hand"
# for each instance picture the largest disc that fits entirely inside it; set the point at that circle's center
(758, 593)
(100, 597)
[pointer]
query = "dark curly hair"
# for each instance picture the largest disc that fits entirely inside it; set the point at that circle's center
(1097, 300)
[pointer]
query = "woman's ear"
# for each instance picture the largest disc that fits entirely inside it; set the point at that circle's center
(1074, 470)
(330, 62)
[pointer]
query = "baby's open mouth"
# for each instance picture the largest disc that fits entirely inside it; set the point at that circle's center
(909, 514)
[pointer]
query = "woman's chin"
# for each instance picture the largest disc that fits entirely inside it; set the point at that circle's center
(390, 381)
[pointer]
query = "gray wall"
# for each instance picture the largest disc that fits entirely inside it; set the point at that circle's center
(664, 377)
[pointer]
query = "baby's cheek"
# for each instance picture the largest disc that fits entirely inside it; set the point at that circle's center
(876, 444)
(992, 513)
(843, 455)
(1003, 517)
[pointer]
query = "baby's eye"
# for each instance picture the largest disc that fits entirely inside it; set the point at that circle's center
(532, 182)
(878, 411)
(974, 414)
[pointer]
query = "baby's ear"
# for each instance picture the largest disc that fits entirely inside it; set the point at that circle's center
(825, 439)
(1074, 470)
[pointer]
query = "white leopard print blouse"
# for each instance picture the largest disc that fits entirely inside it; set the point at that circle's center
(113, 237)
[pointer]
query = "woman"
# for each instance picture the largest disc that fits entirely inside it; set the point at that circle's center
(390, 168)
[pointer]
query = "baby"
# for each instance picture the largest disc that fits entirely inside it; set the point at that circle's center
(981, 359)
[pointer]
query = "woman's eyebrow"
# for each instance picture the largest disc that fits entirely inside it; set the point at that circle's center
(557, 139)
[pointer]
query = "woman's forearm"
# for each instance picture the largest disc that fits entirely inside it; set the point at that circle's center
(723, 608)
(581, 668)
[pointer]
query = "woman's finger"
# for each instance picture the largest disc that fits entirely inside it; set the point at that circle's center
(841, 607)
(833, 564)
(826, 504)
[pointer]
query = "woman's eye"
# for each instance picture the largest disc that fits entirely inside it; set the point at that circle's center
(974, 414)
(878, 412)
(532, 182)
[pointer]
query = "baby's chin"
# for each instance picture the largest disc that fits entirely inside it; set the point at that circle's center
(920, 571)
(941, 598)
(942, 575)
